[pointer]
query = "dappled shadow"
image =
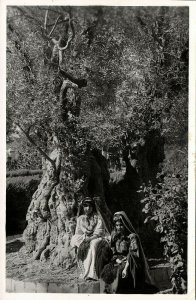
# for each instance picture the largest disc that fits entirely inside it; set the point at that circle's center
(14, 246)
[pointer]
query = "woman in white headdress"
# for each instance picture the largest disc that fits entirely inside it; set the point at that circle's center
(88, 239)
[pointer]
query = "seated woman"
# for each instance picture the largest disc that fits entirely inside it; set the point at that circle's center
(88, 240)
(127, 272)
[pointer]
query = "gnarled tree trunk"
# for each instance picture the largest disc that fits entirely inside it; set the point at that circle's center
(54, 207)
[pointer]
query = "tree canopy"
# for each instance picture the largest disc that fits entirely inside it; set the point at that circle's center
(134, 60)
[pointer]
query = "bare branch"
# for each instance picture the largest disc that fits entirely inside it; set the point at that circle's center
(55, 42)
(61, 49)
(45, 20)
(65, 85)
(36, 146)
(59, 22)
(71, 26)
(67, 45)
(28, 130)
(53, 28)
(80, 82)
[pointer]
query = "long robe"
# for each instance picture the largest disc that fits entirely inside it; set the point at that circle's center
(87, 227)
(127, 251)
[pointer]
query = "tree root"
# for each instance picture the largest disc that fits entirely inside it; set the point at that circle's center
(42, 247)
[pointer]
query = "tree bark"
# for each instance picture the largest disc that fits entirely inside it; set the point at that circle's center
(54, 207)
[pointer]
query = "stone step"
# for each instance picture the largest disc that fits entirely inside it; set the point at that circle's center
(160, 274)
(16, 286)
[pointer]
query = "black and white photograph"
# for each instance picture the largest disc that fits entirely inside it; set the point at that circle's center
(97, 131)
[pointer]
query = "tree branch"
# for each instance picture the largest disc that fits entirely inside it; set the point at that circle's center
(71, 24)
(59, 22)
(80, 82)
(36, 146)
(45, 19)
(66, 46)
(53, 28)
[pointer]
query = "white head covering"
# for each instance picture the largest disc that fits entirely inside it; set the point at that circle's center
(126, 222)
(121, 215)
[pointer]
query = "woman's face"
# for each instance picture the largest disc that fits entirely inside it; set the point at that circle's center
(119, 227)
(88, 209)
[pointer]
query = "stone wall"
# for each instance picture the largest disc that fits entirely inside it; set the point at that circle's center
(160, 274)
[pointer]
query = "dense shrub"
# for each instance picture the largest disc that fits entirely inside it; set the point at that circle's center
(19, 191)
(166, 206)
(124, 196)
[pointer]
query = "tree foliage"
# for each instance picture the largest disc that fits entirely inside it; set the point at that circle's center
(166, 205)
(135, 61)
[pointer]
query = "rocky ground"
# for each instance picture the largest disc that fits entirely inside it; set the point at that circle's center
(22, 268)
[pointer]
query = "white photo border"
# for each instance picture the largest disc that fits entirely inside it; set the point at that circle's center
(191, 142)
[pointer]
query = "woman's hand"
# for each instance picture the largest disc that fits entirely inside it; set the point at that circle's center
(88, 232)
(89, 239)
(124, 273)
(119, 261)
(125, 270)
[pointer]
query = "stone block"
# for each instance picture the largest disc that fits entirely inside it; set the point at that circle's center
(102, 286)
(69, 289)
(30, 287)
(13, 285)
(89, 288)
(165, 274)
(19, 287)
(96, 288)
(158, 275)
(9, 285)
(164, 285)
(169, 272)
(82, 288)
(41, 287)
(152, 273)
(53, 288)
(59, 289)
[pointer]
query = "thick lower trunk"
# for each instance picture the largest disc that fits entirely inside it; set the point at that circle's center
(54, 208)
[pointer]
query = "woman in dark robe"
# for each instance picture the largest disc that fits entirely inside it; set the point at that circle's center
(128, 271)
